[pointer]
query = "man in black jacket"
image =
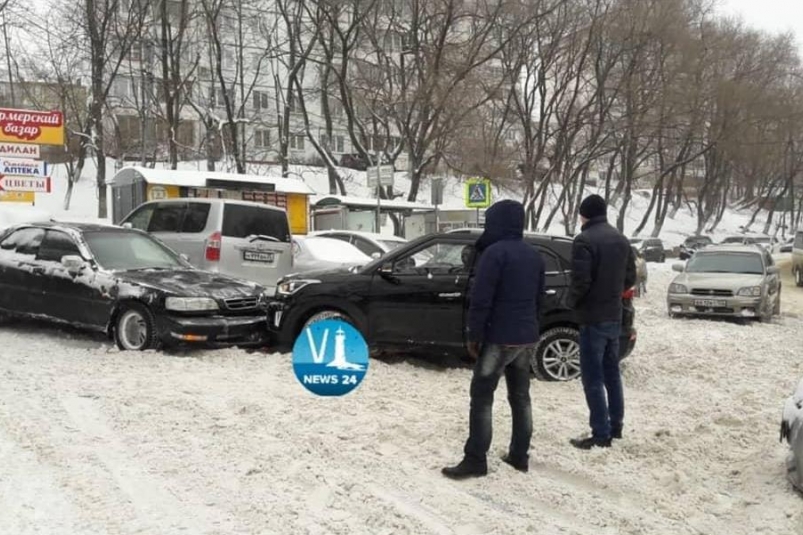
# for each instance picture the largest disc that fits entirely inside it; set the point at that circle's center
(603, 267)
(502, 330)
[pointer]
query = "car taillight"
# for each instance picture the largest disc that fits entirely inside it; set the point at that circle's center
(213, 245)
(628, 294)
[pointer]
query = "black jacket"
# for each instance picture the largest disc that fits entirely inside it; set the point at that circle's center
(603, 266)
(509, 283)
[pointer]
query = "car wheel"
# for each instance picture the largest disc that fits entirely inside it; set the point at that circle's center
(557, 355)
(135, 329)
(326, 315)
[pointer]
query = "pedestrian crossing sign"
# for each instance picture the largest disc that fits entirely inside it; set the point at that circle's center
(478, 193)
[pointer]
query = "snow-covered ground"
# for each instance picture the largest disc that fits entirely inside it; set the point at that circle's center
(94, 441)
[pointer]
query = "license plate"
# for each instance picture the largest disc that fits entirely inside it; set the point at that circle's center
(257, 256)
(710, 303)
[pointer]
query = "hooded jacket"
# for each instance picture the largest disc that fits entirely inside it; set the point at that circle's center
(509, 284)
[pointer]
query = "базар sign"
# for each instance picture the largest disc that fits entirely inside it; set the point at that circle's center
(29, 126)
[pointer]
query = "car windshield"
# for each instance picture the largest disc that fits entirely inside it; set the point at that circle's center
(762, 240)
(743, 263)
(123, 251)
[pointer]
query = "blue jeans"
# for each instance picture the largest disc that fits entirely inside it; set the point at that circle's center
(494, 361)
(602, 381)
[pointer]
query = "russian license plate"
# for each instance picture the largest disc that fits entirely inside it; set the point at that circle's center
(710, 303)
(258, 256)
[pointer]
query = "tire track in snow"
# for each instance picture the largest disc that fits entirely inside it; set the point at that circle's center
(158, 508)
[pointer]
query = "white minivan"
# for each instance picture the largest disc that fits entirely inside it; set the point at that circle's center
(247, 240)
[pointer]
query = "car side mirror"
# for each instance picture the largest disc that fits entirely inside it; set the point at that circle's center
(679, 267)
(376, 255)
(128, 225)
(73, 263)
(773, 270)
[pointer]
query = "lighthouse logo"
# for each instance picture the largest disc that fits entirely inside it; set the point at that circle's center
(330, 358)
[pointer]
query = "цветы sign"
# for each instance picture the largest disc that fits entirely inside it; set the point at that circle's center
(29, 126)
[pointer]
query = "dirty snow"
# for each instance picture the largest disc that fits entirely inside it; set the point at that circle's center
(93, 440)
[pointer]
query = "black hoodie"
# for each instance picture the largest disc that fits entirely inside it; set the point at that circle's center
(510, 281)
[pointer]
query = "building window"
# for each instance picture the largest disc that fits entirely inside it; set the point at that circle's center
(296, 142)
(336, 144)
(261, 100)
(262, 139)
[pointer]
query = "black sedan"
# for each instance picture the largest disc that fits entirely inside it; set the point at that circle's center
(414, 299)
(126, 284)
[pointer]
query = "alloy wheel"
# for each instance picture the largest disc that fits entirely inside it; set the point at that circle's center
(561, 360)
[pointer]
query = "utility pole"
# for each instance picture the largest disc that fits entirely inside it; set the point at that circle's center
(378, 193)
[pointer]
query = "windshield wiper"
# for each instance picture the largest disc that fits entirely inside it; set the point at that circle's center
(255, 237)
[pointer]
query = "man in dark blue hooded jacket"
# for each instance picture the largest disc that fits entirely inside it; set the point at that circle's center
(503, 331)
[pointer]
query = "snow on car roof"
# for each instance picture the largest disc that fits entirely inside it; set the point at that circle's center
(331, 249)
(370, 235)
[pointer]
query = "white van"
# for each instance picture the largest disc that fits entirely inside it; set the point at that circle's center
(247, 240)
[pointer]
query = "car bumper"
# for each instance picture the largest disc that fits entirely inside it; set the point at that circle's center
(736, 307)
(214, 331)
(278, 325)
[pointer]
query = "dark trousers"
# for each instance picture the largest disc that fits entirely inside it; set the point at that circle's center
(494, 361)
(602, 381)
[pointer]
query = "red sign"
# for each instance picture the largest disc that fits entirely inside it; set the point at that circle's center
(30, 184)
(29, 126)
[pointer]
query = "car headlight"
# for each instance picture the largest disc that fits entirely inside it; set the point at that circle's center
(292, 286)
(191, 304)
(676, 288)
(750, 291)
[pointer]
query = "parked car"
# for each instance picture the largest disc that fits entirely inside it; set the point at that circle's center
(792, 433)
(692, 244)
(358, 162)
(797, 258)
(727, 280)
(373, 245)
(786, 246)
(414, 298)
(315, 253)
(251, 241)
(762, 240)
(124, 283)
(652, 249)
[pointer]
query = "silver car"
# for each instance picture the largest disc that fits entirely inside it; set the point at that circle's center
(241, 239)
(739, 281)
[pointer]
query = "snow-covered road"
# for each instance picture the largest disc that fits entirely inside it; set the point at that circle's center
(94, 441)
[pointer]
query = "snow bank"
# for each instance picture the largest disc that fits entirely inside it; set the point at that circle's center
(14, 214)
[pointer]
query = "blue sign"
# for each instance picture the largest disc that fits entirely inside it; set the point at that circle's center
(478, 194)
(330, 358)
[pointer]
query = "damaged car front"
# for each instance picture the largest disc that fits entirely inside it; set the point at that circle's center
(127, 284)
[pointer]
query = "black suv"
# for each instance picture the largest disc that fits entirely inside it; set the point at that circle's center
(652, 249)
(414, 299)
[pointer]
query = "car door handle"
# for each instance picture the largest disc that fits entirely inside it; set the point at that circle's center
(551, 292)
(453, 295)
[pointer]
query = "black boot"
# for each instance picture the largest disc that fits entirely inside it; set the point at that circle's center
(522, 465)
(616, 432)
(465, 470)
(590, 442)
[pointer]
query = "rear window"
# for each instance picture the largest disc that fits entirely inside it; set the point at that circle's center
(243, 221)
(25, 241)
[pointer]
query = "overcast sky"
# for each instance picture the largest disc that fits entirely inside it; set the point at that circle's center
(772, 15)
